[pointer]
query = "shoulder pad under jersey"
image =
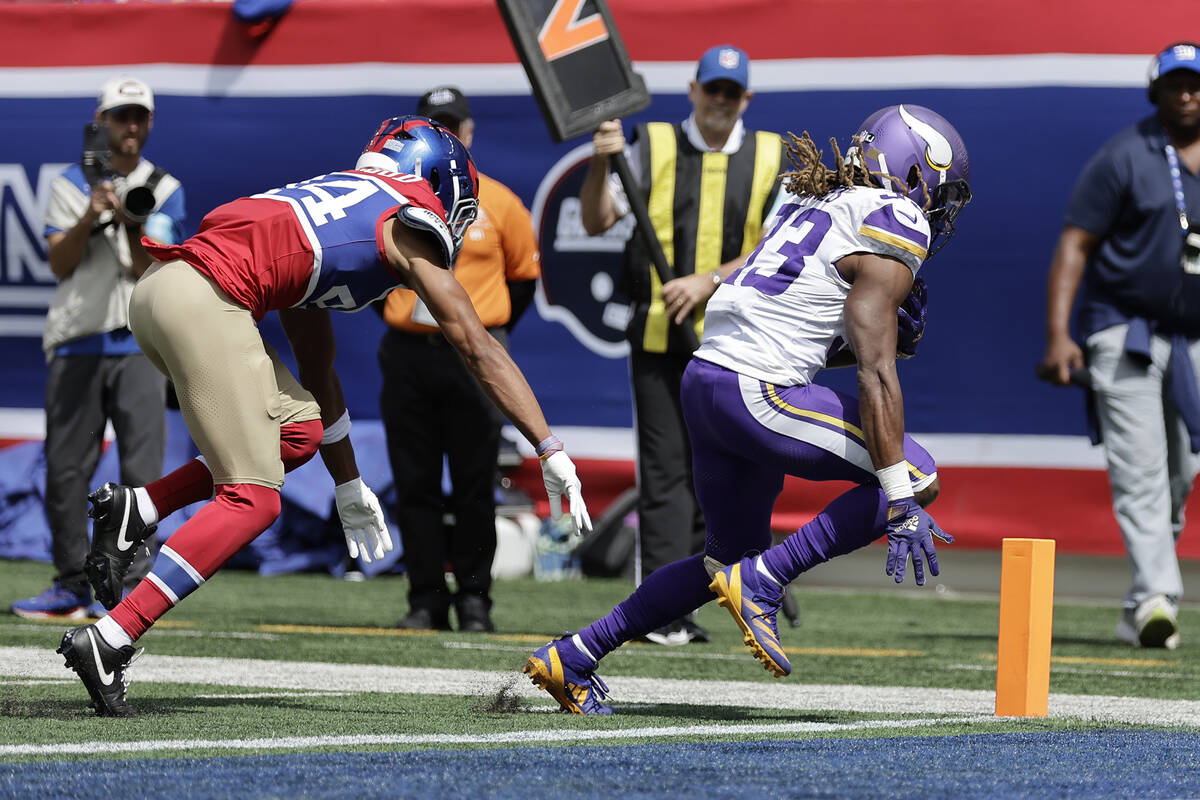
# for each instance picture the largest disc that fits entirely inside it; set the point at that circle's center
(893, 226)
(419, 212)
(416, 216)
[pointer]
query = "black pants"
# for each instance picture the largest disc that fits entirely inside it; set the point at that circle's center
(670, 524)
(82, 394)
(432, 406)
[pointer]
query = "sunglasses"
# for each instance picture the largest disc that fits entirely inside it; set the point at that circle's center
(726, 89)
(128, 114)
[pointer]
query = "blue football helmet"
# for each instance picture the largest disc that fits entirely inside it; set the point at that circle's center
(916, 152)
(420, 146)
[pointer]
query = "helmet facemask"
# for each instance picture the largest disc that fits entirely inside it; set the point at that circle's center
(948, 199)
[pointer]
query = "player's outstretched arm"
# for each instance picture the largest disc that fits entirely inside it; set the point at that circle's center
(310, 333)
(418, 260)
(880, 286)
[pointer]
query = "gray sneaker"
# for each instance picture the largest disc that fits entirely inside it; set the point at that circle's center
(1151, 624)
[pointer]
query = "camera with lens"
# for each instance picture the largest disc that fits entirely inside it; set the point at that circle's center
(96, 162)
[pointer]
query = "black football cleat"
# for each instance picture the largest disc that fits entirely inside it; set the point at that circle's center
(117, 533)
(101, 668)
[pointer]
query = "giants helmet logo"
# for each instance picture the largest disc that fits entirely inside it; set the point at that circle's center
(580, 273)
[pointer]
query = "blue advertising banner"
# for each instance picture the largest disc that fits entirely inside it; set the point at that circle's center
(1032, 93)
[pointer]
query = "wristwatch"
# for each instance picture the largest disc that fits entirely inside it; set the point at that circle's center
(716, 278)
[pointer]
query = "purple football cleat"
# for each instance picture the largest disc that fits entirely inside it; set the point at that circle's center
(753, 601)
(559, 669)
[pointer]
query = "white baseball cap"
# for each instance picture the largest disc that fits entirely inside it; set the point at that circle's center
(124, 91)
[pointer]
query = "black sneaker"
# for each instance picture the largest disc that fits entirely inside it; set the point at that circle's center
(101, 668)
(117, 533)
(695, 632)
(474, 613)
(423, 619)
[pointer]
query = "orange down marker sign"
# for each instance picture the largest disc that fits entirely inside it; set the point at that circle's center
(564, 32)
(1026, 619)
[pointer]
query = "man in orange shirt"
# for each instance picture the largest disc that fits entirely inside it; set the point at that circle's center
(432, 406)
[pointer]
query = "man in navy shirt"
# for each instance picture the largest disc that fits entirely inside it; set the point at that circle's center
(1132, 238)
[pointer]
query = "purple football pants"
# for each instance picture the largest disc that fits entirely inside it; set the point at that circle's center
(746, 436)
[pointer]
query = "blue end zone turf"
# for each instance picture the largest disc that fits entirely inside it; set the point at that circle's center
(1108, 763)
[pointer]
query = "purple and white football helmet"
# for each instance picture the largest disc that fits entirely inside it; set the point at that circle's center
(916, 152)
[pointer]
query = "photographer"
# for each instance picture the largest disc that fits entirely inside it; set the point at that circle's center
(98, 211)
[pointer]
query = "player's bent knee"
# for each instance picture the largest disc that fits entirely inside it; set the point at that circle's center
(257, 506)
(929, 493)
(712, 566)
(298, 442)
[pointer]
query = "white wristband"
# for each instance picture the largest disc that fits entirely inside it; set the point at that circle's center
(338, 430)
(894, 481)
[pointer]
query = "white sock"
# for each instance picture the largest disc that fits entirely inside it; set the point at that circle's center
(761, 569)
(112, 633)
(145, 506)
(581, 647)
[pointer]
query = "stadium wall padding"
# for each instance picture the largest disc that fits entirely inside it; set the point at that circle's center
(1034, 88)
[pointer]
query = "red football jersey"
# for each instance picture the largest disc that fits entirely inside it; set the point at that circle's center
(313, 244)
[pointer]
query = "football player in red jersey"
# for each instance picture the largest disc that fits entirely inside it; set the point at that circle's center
(338, 241)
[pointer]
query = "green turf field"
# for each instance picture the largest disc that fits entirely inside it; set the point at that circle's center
(295, 662)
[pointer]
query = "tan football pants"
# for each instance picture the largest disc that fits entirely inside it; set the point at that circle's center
(233, 390)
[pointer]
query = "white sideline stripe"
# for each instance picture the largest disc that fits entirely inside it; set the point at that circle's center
(31, 662)
(273, 695)
(617, 444)
(184, 632)
(724, 731)
(662, 77)
(949, 449)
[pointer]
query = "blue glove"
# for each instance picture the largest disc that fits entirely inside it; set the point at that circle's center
(910, 320)
(910, 529)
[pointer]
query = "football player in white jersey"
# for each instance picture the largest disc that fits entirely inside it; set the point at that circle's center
(833, 282)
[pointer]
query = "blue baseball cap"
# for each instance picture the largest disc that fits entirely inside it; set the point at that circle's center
(724, 62)
(1184, 55)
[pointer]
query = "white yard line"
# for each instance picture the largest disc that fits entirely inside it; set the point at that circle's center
(194, 633)
(724, 730)
(30, 662)
(263, 695)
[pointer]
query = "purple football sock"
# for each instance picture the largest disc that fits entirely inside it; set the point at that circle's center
(851, 521)
(667, 594)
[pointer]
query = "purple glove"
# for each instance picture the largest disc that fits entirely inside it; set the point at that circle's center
(910, 529)
(910, 320)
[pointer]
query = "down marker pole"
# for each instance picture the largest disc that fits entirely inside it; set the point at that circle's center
(1026, 619)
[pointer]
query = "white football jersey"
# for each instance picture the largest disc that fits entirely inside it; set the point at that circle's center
(780, 316)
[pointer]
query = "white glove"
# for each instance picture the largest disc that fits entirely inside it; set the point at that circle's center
(558, 473)
(362, 520)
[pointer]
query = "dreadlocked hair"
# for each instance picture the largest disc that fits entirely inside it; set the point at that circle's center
(810, 177)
